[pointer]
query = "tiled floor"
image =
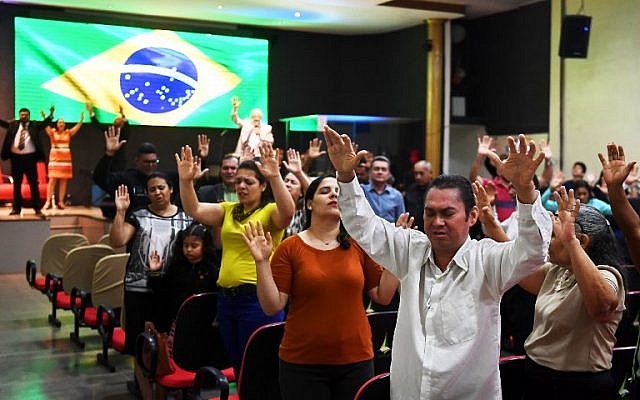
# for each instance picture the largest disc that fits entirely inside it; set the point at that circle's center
(39, 362)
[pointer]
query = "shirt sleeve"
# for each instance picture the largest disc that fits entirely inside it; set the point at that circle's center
(380, 239)
(507, 263)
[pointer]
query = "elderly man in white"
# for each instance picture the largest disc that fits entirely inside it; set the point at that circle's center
(446, 343)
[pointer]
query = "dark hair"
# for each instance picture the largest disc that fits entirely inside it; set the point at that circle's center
(581, 183)
(459, 183)
(238, 210)
(602, 244)
(146, 148)
(160, 175)
(200, 231)
(582, 165)
(343, 236)
(24, 109)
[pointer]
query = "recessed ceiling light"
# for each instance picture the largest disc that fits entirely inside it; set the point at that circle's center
(220, 7)
(297, 14)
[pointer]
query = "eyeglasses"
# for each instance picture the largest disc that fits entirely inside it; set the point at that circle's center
(150, 162)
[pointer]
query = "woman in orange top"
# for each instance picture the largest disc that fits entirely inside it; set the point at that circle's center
(326, 351)
(60, 168)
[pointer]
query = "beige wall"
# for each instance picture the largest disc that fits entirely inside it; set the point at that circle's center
(602, 92)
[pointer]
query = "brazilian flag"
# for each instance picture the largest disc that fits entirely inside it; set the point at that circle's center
(159, 77)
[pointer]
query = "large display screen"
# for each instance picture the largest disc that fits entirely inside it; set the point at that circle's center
(159, 77)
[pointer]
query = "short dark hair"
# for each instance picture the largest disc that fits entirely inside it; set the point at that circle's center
(459, 183)
(581, 183)
(200, 231)
(146, 148)
(24, 109)
(161, 175)
(582, 165)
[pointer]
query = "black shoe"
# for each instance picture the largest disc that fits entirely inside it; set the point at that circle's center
(39, 214)
(14, 212)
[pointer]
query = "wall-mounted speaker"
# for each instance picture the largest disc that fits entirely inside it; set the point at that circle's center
(574, 38)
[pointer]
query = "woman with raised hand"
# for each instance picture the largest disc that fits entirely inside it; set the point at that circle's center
(60, 169)
(239, 312)
(579, 305)
(149, 230)
(326, 351)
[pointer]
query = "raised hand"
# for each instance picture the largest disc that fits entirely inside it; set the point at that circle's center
(203, 145)
(89, 107)
(568, 208)
(484, 145)
(120, 110)
(259, 242)
(82, 116)
(279, 155)
(341, 153)
(42, 114)
(483, 202)
(614, 169)
(405, 221)
(268, 164)
(52, 109)
(235, 102)
(546, 149)
(122, 198)
(112, 141)
(199, 171)
(556, 181)
(155, 262)
(294, 163)
(314, 149)
(188, 168)
(520, 166)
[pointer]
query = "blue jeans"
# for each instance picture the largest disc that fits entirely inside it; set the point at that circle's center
(238, 318)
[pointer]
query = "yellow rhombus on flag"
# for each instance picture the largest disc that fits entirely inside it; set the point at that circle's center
(156, 92)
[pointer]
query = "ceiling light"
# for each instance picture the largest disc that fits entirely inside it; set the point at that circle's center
(297, 14)
(220, 7)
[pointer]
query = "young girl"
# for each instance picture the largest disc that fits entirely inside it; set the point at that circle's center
(192, 269)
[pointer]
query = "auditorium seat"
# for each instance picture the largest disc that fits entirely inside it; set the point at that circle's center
(78, 268)
(196, 343)
(52, 255)
(107, 289)
(258, 378)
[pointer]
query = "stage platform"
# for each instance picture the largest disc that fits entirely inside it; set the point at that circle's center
(22, 236)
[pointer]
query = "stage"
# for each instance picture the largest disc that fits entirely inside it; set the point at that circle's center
(22, 235)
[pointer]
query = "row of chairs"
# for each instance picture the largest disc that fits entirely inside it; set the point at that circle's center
(86, 280)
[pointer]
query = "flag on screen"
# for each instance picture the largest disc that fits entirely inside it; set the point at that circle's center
(157, 77)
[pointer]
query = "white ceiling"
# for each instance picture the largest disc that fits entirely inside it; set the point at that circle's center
(347, 17)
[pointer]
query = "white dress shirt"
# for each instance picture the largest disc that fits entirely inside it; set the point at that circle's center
(446, 342)
(29, 145)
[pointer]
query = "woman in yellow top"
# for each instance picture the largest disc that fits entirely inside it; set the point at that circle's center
(60, 168)
(239, 312)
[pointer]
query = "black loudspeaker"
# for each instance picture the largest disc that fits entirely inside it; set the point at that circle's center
(574, 38)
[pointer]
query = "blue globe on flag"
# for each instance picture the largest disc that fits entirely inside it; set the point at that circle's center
(158, 80)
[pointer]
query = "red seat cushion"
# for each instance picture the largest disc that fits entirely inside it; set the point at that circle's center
(178, 379)
(229, 374)
(91, 317)
(117, 340)
(39, 283)
(63, 301)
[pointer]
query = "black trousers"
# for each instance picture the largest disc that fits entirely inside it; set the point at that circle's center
(25, 164)
(549, 384)
(323, 382)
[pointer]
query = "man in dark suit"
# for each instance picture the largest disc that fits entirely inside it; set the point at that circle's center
(23, 147)
(225, 190)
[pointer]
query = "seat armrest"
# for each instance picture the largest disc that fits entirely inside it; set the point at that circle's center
(31, 272)
(85, 301)
(147, 354)
(210, 372)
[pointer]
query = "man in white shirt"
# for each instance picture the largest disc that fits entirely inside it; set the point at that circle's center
(446, 343)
